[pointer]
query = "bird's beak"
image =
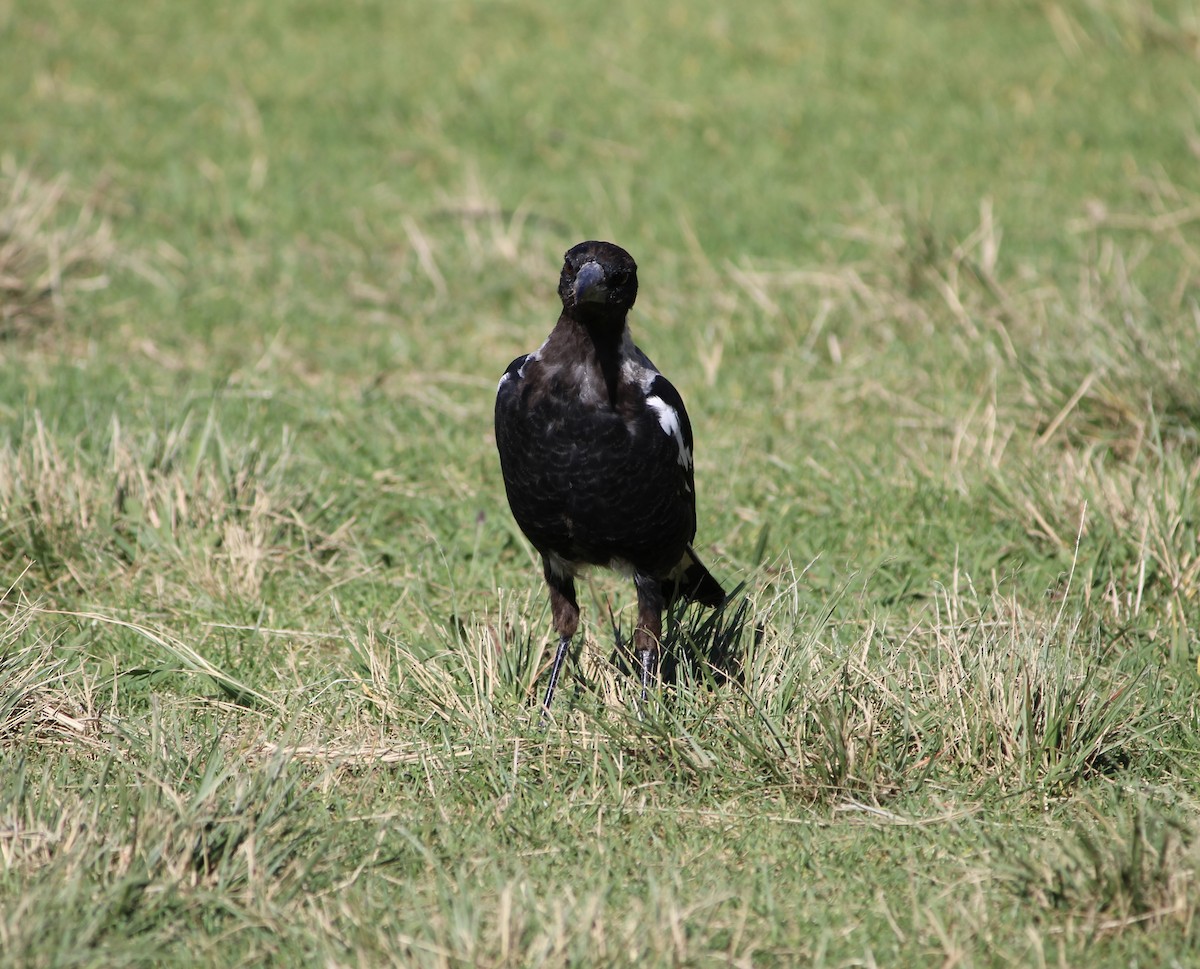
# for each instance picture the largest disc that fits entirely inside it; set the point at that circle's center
(589, 284)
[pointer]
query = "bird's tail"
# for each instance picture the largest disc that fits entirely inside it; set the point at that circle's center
(690, 580)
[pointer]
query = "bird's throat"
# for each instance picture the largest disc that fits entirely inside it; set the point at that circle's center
(607, 341)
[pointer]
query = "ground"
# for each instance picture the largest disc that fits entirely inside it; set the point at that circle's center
(270, 642)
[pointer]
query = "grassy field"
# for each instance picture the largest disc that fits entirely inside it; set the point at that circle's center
(928, 276)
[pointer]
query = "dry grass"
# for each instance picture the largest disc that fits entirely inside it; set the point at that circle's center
(51, 245)
(42, 702)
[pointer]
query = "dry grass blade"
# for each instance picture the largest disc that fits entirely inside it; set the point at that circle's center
(364, 755)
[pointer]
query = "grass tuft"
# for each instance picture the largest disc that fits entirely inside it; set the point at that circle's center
(46, 252)
(37, 703)
(1128, 863)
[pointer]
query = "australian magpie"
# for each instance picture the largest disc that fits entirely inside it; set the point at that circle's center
(596, 452)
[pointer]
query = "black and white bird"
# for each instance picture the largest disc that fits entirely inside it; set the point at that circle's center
(596, 451)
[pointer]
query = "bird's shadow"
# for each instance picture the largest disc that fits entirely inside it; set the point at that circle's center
(699, 646)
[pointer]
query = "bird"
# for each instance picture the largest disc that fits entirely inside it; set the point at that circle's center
(596, 453)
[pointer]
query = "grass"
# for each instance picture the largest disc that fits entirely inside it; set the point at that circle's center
(271, 645)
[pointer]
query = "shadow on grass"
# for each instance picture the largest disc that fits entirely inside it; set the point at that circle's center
(700, 646)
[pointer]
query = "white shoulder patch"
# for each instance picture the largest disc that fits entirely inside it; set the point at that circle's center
(520, 370)
(668, 420)
(636, 367)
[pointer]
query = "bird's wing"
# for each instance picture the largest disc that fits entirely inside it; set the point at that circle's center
(663, 399)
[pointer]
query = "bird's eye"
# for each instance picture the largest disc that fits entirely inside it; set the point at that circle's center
(620, 278)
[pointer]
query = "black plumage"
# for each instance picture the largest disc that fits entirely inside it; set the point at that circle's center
(596, 451)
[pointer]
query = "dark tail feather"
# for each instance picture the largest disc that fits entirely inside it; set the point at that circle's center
(692, 581)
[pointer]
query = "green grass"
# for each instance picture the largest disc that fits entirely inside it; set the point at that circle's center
(270, 644)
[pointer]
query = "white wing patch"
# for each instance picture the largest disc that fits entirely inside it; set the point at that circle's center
(668, 420)
(520, 370)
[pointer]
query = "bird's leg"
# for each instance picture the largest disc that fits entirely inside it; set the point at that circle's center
(648, 631)
(565, 610)
(564, 643)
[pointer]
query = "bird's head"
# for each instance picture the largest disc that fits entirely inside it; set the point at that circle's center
(598, 282)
